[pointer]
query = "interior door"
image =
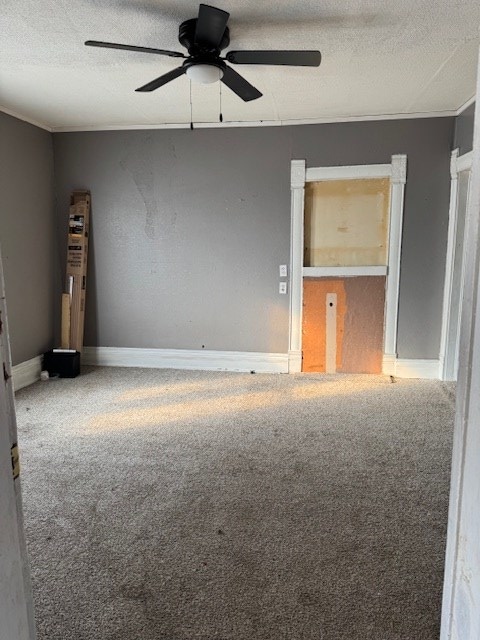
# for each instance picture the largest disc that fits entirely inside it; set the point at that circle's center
(16, 608)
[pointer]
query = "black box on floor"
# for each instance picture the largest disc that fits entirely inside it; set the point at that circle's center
(62, 362)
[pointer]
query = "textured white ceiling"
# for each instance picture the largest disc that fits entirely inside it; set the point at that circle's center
(380, 57)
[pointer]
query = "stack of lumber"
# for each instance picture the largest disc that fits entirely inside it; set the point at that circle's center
(73, 301)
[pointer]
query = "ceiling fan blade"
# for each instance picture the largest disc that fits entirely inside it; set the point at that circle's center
(128, 47)
(239, 85)
(211, 24)
(159, 82)
(292, 58)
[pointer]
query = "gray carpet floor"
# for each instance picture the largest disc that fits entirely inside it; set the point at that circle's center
(183, 505)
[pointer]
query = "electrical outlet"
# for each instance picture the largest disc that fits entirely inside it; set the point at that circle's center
(283, 270)
(282, 287)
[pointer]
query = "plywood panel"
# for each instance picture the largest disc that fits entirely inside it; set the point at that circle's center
(359, 323)
(364, 319)
(346, 222)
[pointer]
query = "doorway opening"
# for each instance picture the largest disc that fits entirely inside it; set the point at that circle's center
(346, 231)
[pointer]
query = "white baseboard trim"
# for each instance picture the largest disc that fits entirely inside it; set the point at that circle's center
(235, 361)
(418, 369)
(186, 359)
(389, 364)
(26, 373)
(403, 368)
(294, 361)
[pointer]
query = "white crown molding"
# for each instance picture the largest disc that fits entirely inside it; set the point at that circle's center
(465, 106)
(234, 124)
(256, 123)
(19, 116)
(186, 359)
(26, 373)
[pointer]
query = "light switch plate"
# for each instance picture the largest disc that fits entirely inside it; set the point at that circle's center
(283, 270)
(282, 287)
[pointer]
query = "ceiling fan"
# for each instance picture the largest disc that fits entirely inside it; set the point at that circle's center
(204, 38)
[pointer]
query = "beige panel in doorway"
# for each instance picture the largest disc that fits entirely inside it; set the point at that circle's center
(346, 222)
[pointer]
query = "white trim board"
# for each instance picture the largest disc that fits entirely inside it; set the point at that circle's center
(344, 272)
(449, 113)
(404, 368)
(451, 317)
(341, 172)
(242, 361)
(26, 373)
(461, 590)
(186, 359)
(16, 602)
(461, 163)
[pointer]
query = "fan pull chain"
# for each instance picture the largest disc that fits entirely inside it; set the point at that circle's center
(191, 107)
(221, 115)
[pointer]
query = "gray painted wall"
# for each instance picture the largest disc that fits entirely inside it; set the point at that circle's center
(464, 130)
(189, 227)
(28, 235)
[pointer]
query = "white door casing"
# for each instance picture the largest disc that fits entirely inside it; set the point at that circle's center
(454, 272)
(397, 172)
(461, 591)
(16, 604)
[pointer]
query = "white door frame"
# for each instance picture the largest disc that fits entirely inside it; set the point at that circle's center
(461, 590)
(449, 351)
(397, 172)
(16, 603)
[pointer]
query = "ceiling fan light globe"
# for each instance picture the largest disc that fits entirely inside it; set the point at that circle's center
(204, 73)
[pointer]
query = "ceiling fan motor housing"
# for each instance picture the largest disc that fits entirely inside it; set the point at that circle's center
(186, 37)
